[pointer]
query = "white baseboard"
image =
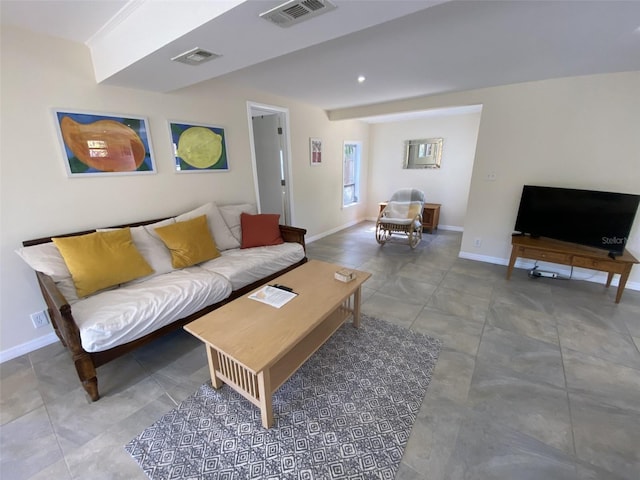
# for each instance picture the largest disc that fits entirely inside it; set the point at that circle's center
(483, 258)
(28, 347)
(562, 270)
(333, 230)
(452, 228)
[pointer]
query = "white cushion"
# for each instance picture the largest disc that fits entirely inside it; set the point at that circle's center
(46, 258)
(152, 248)
(114, 317)
(231, 215)
(221, 234)
(244, 266)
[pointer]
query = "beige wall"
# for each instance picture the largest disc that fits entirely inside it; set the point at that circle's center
(37, 199)
(317, 190)
(580, 132)
(448, 185)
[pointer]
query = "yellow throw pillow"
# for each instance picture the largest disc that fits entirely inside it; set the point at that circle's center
(102, 259)
(190, 242)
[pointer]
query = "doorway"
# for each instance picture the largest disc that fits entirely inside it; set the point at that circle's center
(270, 152)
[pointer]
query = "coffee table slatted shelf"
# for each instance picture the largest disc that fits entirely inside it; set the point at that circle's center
(254, 348)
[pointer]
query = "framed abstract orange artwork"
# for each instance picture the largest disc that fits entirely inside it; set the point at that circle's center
(96, 144)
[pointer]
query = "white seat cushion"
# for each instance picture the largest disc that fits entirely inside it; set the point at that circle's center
(114, 317)
(244, 266)
(396, 221)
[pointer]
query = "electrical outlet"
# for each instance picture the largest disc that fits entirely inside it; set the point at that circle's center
(39, 319)
(477, 242)
(491, 177)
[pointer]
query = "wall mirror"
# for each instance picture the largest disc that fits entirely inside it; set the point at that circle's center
(423, 153)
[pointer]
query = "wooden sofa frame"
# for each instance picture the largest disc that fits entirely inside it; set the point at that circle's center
(68, 332)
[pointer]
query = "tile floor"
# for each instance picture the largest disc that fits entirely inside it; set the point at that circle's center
(538, 378)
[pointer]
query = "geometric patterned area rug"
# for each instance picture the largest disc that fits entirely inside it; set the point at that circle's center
(347, 413)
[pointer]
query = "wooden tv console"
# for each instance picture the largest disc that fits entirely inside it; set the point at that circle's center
(566, 253)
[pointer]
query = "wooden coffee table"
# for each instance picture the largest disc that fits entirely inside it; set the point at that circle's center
(254, 348)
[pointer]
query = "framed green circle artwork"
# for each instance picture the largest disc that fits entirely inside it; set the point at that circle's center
(198, 147)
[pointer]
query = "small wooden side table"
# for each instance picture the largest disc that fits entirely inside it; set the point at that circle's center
(430, 215)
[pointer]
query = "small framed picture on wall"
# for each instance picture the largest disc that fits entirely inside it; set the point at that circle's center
(315, 151)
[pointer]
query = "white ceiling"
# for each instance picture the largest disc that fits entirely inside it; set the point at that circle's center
(405, 48)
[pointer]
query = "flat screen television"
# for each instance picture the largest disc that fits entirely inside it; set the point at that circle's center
(587, 217)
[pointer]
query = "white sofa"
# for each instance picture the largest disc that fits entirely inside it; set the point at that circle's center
(108, 323)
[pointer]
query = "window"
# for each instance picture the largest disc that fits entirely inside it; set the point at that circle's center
(351, 173)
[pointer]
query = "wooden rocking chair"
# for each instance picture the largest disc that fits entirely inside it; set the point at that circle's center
(402, 215)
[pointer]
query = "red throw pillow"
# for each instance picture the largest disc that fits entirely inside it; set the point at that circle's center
(260, 230)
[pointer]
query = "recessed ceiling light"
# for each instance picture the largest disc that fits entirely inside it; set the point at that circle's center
(361, 78)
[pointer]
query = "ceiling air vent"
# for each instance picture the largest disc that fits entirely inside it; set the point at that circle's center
(296, 11)
(195, 56)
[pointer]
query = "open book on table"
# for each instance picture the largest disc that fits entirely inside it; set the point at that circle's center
(276, 297)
